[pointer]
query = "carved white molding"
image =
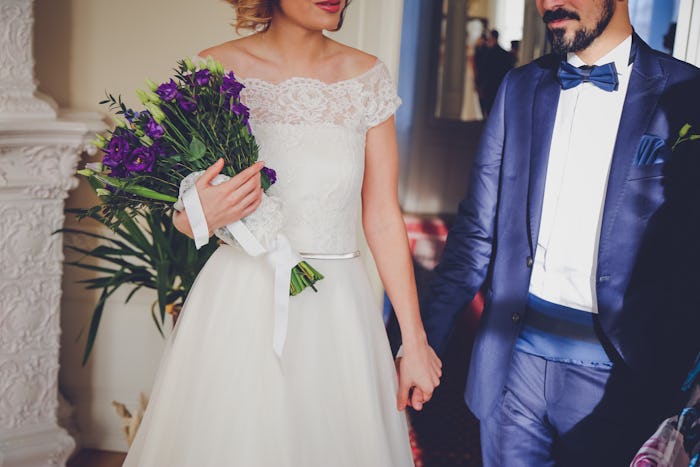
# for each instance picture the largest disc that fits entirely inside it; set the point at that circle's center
(18, 96)
(35, 177)
(46, 445)
(39, 151)
(44, 171)
(28, 386)
(29, 318)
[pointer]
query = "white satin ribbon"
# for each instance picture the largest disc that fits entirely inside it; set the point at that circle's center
(282, 258)
(245, 238)
(195, 214)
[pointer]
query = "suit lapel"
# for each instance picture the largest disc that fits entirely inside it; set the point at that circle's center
(543, 115)
(645, 87)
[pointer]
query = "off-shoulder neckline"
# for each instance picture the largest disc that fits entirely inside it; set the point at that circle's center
(251, 79)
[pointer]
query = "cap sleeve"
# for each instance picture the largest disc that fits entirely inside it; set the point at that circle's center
(381, 99)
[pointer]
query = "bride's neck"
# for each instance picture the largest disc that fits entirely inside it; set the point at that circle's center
(291, 44)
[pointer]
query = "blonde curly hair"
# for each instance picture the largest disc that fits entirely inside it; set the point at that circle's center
(257, 14)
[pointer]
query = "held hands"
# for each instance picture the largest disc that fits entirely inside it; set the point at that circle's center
(419, 371)
(227, 202)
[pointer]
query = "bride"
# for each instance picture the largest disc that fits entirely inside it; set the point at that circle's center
(322, 114)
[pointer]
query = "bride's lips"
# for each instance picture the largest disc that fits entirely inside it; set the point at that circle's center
(331, 6)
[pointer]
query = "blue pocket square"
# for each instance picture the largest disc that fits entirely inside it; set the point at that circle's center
(652, 150)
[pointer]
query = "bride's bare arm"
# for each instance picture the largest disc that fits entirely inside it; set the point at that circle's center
(227, 202)
(419, 368)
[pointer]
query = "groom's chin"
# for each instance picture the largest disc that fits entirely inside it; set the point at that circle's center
(557, 37)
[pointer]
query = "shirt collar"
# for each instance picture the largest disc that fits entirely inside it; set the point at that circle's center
(620, 55)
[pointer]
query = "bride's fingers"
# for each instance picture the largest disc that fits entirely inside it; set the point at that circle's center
(245, 175)
(235, 197)
(251, 203)
(418, 398)
(209, 174)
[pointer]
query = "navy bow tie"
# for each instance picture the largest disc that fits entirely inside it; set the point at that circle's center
(603, 76)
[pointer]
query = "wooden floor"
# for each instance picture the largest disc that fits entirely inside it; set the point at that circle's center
(94, 458)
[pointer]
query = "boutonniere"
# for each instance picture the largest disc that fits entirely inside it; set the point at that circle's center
(685, 135)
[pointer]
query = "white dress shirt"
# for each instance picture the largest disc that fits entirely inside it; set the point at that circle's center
(583, 140)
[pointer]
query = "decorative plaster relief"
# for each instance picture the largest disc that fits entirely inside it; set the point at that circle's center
(50, 167)
(29, 316)
(16, 61)
(29, 387)
(29, 249)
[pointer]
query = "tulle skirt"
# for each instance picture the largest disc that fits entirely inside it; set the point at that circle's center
(223, 398)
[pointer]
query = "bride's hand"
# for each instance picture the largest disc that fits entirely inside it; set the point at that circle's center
(419, 369)
(227, 202)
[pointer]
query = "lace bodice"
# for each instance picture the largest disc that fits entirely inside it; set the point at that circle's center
(313, 134)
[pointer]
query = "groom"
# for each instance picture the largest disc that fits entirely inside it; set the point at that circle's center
(581, 226)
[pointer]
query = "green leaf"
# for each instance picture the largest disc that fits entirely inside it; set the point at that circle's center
(155, 319)
(134, 189)
(163, 284)
(137, 238)
(684, 130)
(95, 323)
(131, 294)
(197, 149)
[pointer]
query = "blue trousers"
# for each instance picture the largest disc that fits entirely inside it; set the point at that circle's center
(563, 414)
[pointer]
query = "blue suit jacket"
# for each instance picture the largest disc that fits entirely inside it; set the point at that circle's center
(648, 279)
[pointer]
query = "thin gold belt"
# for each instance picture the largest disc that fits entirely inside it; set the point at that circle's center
(354, 254)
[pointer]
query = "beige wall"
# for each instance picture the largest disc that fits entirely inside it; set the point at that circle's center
(82, 48)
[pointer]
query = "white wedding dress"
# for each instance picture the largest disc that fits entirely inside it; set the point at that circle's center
(222, 397)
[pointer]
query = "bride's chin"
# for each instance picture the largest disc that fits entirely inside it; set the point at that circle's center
(329, 23)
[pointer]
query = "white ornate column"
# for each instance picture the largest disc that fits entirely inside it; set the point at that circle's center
(39, 151)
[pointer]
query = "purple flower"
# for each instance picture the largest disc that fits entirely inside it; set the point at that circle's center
(230, 86)
(168, 91)
(140, 159)
(202, 77)
(240, 110)
(156, 151)
(153, 130)
(131, 115)
(270, 174)
(118, 171)
(118, 146)
(188, 104)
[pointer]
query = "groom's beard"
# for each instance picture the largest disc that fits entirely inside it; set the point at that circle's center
(583, 37)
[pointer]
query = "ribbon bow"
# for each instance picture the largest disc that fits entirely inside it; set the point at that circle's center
(603, 76)
(281, 256)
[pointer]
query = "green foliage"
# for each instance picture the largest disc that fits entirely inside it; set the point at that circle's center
(144, 250)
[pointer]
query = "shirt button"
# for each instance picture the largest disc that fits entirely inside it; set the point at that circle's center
(529, 261)
(515, 317)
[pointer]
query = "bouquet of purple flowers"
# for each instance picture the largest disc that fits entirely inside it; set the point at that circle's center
(187, 124)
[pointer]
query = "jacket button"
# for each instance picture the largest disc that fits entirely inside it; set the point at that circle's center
(529, 261)
(515, 317)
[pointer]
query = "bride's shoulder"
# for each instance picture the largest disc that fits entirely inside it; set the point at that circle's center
(351, 61)
(233, 55)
